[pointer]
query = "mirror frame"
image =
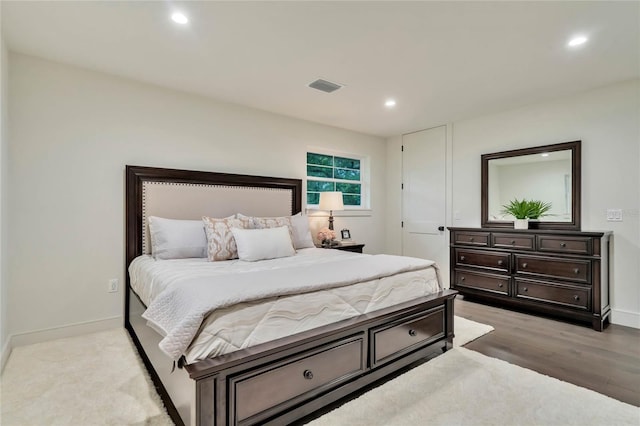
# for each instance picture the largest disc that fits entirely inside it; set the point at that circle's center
(575, 186)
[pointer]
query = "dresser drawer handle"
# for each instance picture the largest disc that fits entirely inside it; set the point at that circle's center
(500, 285)
(563, 244)
(471, 238)
(500, 262)
(462, 258)
(576, 271)
(462, 278)
(525, 289)
(308, 374)
(412, 333)
(513, 242)
(576, 297)
(524, 265)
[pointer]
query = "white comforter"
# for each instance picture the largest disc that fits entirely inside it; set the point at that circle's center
(181, 302)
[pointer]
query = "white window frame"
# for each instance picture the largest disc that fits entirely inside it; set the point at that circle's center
(364, 181)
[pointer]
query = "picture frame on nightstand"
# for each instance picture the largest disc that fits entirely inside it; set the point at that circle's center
(346, 234)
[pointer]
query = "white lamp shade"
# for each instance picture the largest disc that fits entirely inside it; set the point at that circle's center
(331, 201)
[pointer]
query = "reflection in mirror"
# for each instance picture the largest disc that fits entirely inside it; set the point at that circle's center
(543, 176)
(548, 173)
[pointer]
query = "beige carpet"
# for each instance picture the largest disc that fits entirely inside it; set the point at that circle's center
(99, 380)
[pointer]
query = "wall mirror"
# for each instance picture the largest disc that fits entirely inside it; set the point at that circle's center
(549, 173)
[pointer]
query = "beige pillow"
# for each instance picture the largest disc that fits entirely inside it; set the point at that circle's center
(220, 242)
(272, 222)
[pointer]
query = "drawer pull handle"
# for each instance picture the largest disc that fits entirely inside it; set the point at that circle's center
(513, 242)
(308, 374)
(576, 271)
(500, 285)
(471, 239)
(524, 265)
(563, 244)
(462, 258)
(462, 278)
(525, 289)
(412, 332)
(499, 262)
(576, 297)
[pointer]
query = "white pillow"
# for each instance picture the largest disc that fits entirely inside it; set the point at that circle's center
(261, 244)
(177, 239)
(301, 233)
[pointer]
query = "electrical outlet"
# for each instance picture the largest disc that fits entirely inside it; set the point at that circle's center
(614, 215)
(112, 285)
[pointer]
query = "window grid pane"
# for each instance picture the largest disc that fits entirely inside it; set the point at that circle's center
(319, 159)
(320, 186)
(347, 163)
(319, 171)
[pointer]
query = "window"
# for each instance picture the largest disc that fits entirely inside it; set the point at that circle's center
(327, 172)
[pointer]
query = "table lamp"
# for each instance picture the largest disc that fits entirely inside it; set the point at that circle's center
(331, 201)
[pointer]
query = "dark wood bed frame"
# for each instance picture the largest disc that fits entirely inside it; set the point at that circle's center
(286, 379)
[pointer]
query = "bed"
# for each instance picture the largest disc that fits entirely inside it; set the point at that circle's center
(313, 342)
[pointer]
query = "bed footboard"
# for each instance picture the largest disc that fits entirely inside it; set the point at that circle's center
(289, 378)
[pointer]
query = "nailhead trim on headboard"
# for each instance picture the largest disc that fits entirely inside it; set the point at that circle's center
(146, 184)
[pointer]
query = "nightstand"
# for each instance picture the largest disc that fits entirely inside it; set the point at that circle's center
(356, 248)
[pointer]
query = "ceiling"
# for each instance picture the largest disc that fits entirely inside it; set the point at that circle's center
(441, 61)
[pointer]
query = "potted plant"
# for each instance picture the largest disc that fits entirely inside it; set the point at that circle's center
(524, 209)
(520, 210)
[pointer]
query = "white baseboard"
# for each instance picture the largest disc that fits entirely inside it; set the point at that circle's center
(626, 318)
(6, 351)
(71, 330)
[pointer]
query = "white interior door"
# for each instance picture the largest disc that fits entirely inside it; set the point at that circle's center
(424, 195)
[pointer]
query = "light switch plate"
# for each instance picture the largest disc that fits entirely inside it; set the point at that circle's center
(614, 215)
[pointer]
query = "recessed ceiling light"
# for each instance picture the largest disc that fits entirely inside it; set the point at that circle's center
(390, 103)
(179, 18)
(577, 41)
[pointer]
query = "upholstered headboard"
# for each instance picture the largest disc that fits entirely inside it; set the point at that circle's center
(183, 194)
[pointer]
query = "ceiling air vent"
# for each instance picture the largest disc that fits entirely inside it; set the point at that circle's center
(324, 85)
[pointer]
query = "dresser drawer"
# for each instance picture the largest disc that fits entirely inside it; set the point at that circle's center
(574, 245)
(565, 295)
(297, 377)
(406, 334)
(485, 259)
(484, 282)
(513, 241)
(553, 267)
(470, 238)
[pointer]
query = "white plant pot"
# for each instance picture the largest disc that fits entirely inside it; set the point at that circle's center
(521, 224)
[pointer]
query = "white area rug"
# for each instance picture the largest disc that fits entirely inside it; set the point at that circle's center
(98, 379)
(464, 387)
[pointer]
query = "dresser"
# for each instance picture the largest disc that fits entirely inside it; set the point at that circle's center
(560, 273)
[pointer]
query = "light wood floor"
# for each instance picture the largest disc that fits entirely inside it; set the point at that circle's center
(607, 362)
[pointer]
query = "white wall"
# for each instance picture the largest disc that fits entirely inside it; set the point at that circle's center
(4, 163)
(607, 122)
(72, 133)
